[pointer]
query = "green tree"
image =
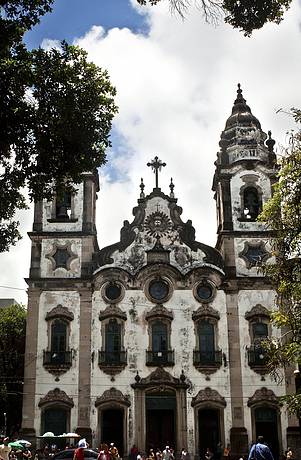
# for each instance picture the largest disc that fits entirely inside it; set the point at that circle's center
(56, 112)
(245, 15)
(283, 215)
(12, 348)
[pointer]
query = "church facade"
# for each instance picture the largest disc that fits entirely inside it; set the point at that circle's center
(156, 339)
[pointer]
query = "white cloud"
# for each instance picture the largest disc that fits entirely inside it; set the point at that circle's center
(176, 87)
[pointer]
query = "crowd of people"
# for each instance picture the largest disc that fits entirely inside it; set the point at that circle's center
(258, 451)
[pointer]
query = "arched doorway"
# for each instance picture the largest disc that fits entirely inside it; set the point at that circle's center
(160, 409)
(112, 408)
(112, 428)
(266, 425)
(209, 430)
(209, 408)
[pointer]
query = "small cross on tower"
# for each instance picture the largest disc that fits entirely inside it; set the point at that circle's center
(156, 166)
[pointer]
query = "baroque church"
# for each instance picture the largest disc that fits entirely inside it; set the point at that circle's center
(157, 340)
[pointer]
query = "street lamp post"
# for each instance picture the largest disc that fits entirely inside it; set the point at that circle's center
(5, 423)
(297, 375)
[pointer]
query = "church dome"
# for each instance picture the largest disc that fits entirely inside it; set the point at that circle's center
(241, 113)
(242, 127)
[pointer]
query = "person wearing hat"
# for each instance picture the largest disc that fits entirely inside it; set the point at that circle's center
(79, 452)
(5, 449)
(113, 451)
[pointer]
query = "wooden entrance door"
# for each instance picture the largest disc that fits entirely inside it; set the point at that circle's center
(266, 425)
(112, 428)
(209, 430)
(160, 420)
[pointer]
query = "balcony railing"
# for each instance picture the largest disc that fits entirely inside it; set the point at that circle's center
(112, 358)
(207, 358)
(57, 358)
(160, 358)
(257, 356)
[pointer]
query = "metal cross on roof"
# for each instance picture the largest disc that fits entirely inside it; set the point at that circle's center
(156, 166)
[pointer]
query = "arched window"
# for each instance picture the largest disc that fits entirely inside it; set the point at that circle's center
(113, 336)
(260, 331)
(251, 203)
(63, 206)
(59, 335)
(159, 336)
(206, 341)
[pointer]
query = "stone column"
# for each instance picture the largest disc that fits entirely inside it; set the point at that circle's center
(84, 374)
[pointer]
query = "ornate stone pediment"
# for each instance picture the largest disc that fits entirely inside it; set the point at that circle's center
(258, 310)
(208, 395)
(159, 378)
(112, 311)
(112, 396)
(159, 311)
(56, 396)
(263, 395)
(205, 311)
(60, 312)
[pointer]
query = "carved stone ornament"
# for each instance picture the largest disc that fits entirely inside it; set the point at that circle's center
(257, 311)
(263, 395)
(205, 311)
(254, 254)
(160, 379)
(208, 396)
(112, 311)
(56, 396)
(112, 396)
(159, 311)
(157, 224)
(61, 256)
(60, 312)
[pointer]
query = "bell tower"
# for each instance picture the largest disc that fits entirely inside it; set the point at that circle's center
(60, 296)
(245, 172)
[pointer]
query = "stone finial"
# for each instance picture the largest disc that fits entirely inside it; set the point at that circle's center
(142, 186)
(171, 186)
(270, 142)
(239, 97)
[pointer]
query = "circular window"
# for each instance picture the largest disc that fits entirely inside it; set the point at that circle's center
(204, 291)
(112, 292)
(158, 290)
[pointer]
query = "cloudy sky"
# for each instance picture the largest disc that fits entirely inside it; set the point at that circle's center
(176, 82)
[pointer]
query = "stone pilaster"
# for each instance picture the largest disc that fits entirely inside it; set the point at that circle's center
(84, 375)
(238, 434)
(30, 365)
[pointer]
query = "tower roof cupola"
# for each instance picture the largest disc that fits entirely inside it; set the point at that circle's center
(243, 138)
(241, 113)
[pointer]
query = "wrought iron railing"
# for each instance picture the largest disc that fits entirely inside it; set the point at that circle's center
(112, 358)
(207, 358)
(160, 358)
(57, 358)
(257, 356)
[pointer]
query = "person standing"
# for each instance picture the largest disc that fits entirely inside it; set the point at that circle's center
(260, 451)
(5, 449)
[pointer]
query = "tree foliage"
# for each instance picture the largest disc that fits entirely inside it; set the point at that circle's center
(12, 348)
(56, 112)
(245, 15)
(283, 215)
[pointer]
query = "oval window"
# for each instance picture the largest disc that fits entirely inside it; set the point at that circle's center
(204, 291)
(112, 292)
(158, 289)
